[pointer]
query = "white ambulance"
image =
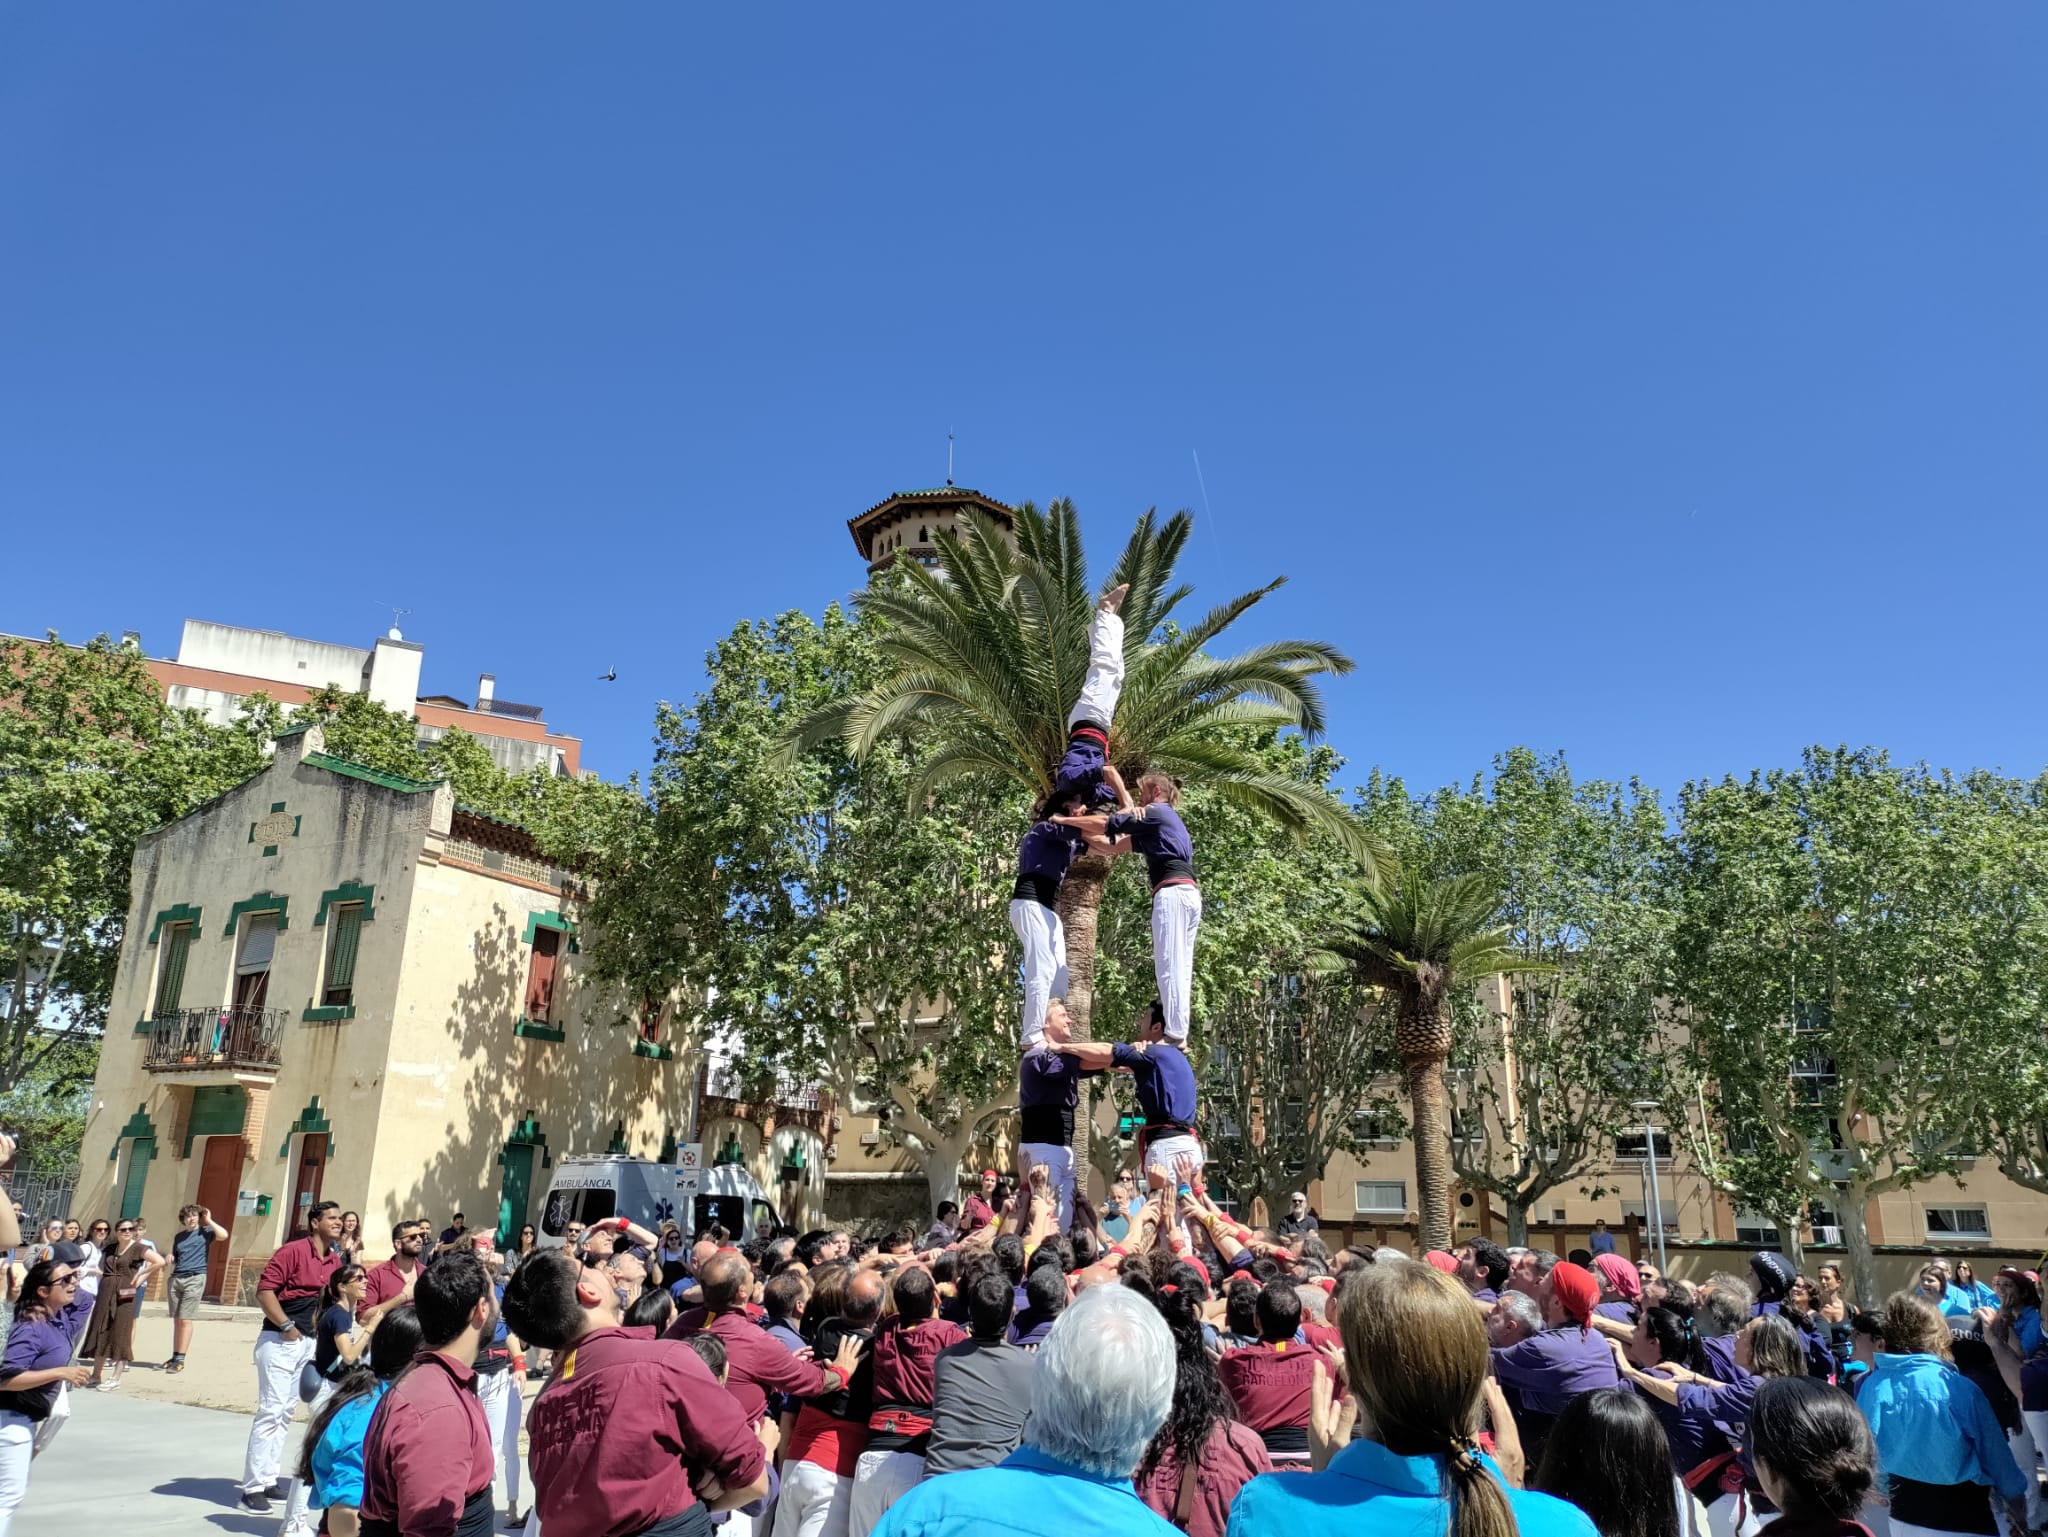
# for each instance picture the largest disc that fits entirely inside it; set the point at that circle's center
(589, 1187)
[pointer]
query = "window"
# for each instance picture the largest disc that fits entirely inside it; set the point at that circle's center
(1382, 1196)
(1754, 1227)
(1628, 1147)
(1969, 1222)
(344, 931)
(1367, 1127)
(540, 976)
(584, 1206)
(650, 1021)
(1467, 1126)
(1641, 1213)
(1294, 1128)
(172, 949)
(1814, 1078)
(252, 963)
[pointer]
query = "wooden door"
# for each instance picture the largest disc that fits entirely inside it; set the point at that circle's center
(306, 1188)
(220, 1180)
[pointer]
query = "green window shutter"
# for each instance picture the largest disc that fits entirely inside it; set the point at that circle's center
(345, 926)
(171, 974)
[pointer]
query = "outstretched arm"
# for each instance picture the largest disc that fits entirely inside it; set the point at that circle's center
(1115, 781)
(1094, 1056)
(1094, 825)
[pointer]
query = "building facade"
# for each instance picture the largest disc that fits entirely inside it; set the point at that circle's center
(219, 665)
(339, 985)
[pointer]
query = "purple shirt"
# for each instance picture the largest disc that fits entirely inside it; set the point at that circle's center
(1157, 832)
(1048, 1089)
(37, 1344)
(1043, 858)
(1552, 1368)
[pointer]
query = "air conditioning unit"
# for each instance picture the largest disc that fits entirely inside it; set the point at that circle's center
(831, 1151)
(870, 1139)
(1827, 1235)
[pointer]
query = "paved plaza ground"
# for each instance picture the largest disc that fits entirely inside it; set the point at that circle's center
(163, 1451)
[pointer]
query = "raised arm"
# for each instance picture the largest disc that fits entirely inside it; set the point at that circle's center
(1095, 825)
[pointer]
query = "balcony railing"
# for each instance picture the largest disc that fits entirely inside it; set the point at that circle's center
(205, 1040)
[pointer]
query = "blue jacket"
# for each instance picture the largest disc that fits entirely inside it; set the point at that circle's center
(1933, 1424)
(1366, 1488)
(1027, 1493)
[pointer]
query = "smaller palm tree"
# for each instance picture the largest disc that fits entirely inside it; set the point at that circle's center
(1418, 941)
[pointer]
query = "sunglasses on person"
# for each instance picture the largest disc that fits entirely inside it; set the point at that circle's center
(126, 1227)
(68, 1278)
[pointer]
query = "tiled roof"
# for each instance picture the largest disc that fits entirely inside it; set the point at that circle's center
(363, 771)
(934, 494)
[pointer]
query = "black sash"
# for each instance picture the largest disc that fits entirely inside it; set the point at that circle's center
(694, 1522)
(476, 1519)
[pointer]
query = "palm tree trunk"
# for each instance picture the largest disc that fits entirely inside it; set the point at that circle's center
(1079, 905)
(1430, 1107)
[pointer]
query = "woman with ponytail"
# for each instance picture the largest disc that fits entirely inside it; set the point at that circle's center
(1415, 1359)
(1203, 1454)
(331, 1456)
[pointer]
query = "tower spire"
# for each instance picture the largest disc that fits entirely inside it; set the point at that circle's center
(949, 456)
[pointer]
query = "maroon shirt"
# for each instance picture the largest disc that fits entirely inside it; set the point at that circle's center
(623, 1430)
(428, 1448)
(1270, 1386)
(756, 1363)
(385, 1281)
(905, 1362)
(976, 1215)
(298, 1274)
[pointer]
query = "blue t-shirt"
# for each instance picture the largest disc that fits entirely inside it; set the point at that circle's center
(338, 1459)
(1367, 1488)
(1157, 832)
(1164, 1079)
(188, 1252)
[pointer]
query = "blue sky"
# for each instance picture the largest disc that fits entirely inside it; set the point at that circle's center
(1662, 384)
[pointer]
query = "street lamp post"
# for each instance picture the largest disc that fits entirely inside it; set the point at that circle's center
(1653, 1195)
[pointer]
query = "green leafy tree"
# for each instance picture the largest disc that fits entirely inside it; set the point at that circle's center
(1421, 941)
(1546, 1073)
(1862, 951)
(810, 923)
(91, 758)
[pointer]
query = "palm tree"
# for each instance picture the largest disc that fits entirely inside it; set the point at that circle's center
(985, 657)
(1418, 941)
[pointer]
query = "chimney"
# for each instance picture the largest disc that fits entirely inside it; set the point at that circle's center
(131, 640)
(486, 690)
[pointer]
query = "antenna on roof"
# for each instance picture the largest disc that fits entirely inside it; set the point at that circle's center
(396, 613)
(949, 456)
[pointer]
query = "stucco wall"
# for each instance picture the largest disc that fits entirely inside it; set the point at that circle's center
(345, 831)
(460, 1080)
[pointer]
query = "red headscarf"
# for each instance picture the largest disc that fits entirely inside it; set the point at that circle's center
(1447, 1263)
(1620, 1274)
(1576, 1292)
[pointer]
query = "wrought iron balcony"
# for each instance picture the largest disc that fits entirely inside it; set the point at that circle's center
(207, 1040)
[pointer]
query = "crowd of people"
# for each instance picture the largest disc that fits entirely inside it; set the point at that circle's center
(1035, 1374)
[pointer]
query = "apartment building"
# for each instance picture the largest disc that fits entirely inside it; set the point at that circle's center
(220, 665)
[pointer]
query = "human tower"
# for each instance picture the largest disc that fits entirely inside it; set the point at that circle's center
(1090, 808)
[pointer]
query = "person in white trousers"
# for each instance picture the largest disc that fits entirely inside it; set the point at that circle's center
(288, 1292)
(504, 1407)
(1048, 1094)
(36, 1373)
(1153, 829)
